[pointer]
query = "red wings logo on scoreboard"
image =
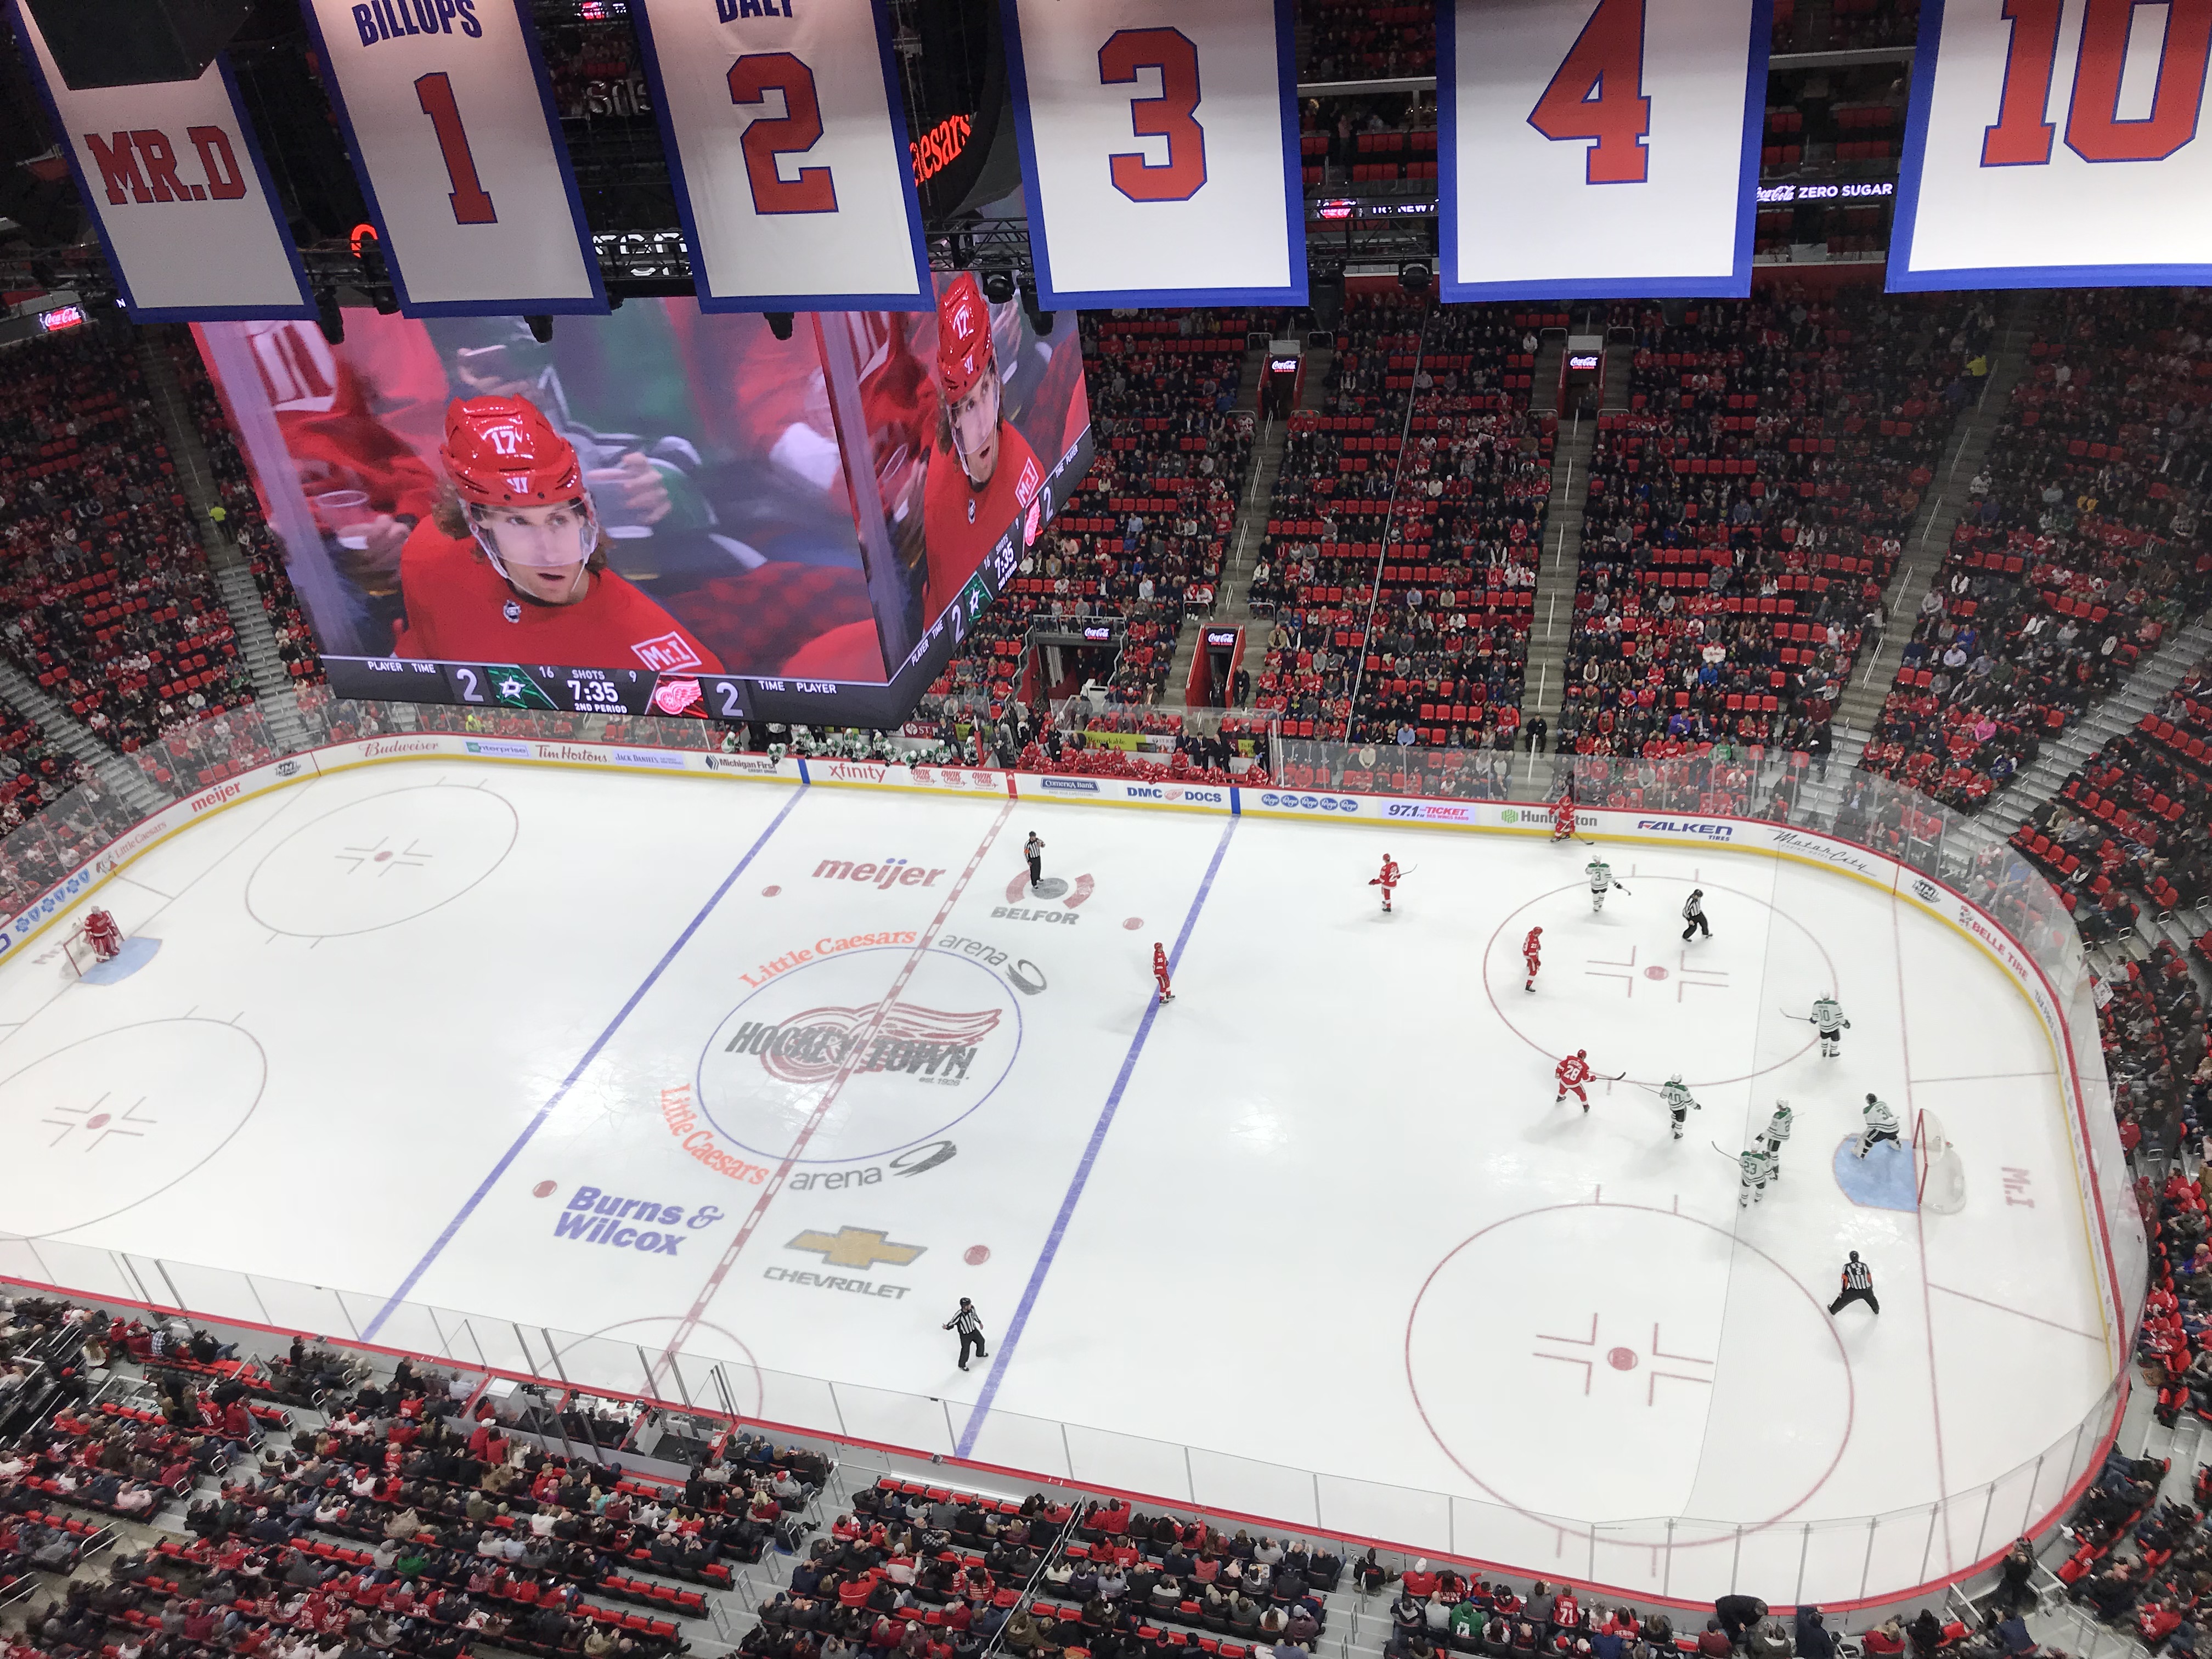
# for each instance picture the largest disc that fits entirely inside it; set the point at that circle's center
(177, 189)
(1159, 140)
(2043, 131)
(786, 136)
(453, 133)
(1599, 149)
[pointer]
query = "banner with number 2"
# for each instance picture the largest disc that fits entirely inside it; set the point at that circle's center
(1599, 148)
(787, 138)
(451, 122)
(1159, 140)
(2054, 143)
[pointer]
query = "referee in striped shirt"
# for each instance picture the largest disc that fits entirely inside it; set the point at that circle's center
(970, 1324)
(1858, 1286)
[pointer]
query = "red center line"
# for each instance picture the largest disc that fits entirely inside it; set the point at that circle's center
(861, 1043)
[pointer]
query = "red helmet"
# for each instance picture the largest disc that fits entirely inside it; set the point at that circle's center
(963, 337)
(502, 452)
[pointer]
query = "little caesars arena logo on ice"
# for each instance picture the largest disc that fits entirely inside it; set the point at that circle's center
(873, 1046)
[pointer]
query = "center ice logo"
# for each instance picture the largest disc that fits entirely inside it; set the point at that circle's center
(849, 1057)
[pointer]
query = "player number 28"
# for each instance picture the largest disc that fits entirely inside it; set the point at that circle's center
(1170, 116)
(1597, 92)
(2021, 137)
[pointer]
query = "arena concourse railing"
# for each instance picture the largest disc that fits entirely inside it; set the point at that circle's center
(1726, 797)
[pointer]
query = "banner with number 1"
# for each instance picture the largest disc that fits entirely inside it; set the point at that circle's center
(1160, 147)
(2055, 144)
(787, 138)
(1597, 149)
(451, 125)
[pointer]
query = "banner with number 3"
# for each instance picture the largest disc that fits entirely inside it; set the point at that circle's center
(1160, 146)
(1598, 149)
(2054, 143)
(451, 124)
(787, 135)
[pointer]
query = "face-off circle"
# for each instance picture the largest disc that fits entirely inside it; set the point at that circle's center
(812, 1038)
(1604, 975)
(1634, 1388)
(601, 1357)
(380, 861)
(111, 1121)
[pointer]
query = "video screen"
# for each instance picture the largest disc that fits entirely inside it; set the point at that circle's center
(658, 511)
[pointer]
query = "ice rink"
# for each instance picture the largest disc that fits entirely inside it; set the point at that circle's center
(571, 1051)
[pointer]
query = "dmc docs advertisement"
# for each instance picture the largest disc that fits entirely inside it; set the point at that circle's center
(657, 511)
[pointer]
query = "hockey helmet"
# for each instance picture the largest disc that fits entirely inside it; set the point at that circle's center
(1782, 1109)
(963, 337)
(1676, 1079)
(1582, 1054)
(1871, 1101)
(502, 452)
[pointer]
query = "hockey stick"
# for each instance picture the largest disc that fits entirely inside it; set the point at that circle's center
(1731, 1157)
(1803, 1019)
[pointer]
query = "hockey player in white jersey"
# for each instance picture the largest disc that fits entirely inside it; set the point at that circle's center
(1777, 1132)
(1756, 1165)
(1827, 1017)
(1600, 877)
(1674, 1096)
(1880, 1125)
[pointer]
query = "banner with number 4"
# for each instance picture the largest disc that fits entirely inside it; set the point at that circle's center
(1599, 148)
(451, 124)
(1160, 143)
(787, 135)
(2054, 143)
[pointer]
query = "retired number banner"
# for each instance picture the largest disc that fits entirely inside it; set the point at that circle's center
(787, 135)
(451, 124)
(177, 189)
(2054, 143)
(1160, 143)
(1599, 148)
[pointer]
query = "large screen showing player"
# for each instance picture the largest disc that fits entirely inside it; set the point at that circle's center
(657, 511)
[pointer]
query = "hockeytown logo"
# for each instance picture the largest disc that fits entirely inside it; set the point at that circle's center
(815, 1045)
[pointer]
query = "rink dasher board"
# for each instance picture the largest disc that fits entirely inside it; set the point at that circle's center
(1719, 833)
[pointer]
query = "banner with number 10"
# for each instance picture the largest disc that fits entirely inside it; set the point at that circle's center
(1160, 148)
(451, 124)
(2054, 143)
(1598, 149)
(786, 136)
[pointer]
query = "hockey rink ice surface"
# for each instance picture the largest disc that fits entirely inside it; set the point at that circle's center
(410, 1027)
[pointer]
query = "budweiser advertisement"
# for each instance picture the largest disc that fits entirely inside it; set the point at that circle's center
(657, 511)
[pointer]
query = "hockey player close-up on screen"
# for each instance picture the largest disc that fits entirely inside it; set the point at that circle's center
(983, 474)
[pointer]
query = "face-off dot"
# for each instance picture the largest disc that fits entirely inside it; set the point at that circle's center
(1133, 923)
(770, 891)
(976, 1255)
(1655, 971)
(1622, 1359)
(545, 1189)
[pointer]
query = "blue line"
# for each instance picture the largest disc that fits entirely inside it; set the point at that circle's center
(1005, 1355)
(568, 1082)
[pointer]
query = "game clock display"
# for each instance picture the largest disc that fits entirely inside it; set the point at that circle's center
(541, 686)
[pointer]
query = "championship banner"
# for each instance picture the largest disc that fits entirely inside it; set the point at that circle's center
(177, 189)
(2049, 145)
(450, 121)
(1160, 144)
(1599, 149)
(786, 136)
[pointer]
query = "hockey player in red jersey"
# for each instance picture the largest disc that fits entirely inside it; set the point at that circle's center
(1573, 1072)
(1563, 819)
(1160, 972)
(1388, 881)
(1532, 950)
(103, 935)
(983, 476)
(510, 569)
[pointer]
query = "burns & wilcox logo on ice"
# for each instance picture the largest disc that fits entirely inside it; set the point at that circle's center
(878, 1048)
(646, 1225)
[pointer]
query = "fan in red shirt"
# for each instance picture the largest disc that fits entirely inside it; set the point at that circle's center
(513, 571)
(982, 474)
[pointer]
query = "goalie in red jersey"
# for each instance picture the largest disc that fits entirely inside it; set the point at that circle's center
(983, 476)
(509, 568)
(103, 935)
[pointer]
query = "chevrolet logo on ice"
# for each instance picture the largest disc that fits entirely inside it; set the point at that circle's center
(856, 1247)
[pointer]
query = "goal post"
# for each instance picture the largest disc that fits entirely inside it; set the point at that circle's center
(82, 957)
(1939, 1174)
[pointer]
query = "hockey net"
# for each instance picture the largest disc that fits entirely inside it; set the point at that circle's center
(83, 958)
(1939, 1172)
